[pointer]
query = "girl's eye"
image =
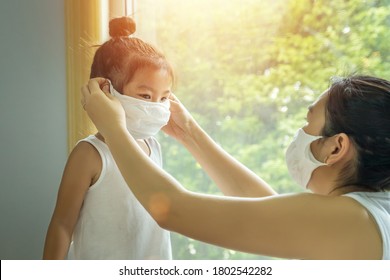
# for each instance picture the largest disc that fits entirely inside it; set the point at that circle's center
(163, 99)
(144, 96)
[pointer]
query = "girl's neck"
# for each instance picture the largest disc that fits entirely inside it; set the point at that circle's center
(141, 142)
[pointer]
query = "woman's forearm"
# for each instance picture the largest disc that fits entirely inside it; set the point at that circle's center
(153, 187)
(202, 217)
(232, 177)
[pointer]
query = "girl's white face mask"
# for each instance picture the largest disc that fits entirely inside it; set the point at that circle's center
(143, 118)
(300, 160)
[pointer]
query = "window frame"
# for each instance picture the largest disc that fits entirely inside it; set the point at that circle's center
(86, 24)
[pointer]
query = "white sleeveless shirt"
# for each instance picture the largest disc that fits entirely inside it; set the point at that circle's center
(112, 223)
(378, 205)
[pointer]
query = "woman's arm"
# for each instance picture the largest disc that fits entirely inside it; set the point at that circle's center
(80, 171)
(231, 177)
(303, 226)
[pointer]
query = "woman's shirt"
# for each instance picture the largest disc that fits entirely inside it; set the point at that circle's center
(378, 205)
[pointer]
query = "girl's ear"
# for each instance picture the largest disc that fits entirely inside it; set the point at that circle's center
(337, 148)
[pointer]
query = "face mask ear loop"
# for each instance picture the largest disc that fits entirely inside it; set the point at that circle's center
(112, 89)
(325, 159)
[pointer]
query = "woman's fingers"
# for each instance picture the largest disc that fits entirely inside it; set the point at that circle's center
(106, 87)
(96, 85)
(84, 95)
(173, 97)
(175, 103)
(105, 111)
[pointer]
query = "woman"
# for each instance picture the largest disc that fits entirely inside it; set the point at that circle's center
(342, 155)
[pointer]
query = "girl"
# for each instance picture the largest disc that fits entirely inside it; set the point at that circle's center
(95, 208)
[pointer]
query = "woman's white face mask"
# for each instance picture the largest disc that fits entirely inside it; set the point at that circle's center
(143, 118)
(300, 160)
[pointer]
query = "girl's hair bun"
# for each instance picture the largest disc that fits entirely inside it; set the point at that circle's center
(123, 26)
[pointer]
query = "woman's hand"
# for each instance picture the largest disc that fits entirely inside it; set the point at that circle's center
(105, 110)
(181, 122)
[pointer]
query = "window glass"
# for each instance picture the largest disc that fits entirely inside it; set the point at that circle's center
(248, 69)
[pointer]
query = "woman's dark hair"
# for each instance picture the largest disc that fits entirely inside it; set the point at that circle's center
(359, 106)
(121, 56)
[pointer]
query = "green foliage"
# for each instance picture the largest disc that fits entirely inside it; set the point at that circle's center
(248, 69)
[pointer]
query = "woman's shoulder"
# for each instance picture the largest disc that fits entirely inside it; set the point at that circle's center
(349, 222)
(380, 200)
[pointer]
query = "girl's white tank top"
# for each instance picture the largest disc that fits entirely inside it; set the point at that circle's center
(112, 223)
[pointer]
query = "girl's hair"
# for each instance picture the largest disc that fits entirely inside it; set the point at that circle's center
(359, 106)
(121, 56)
